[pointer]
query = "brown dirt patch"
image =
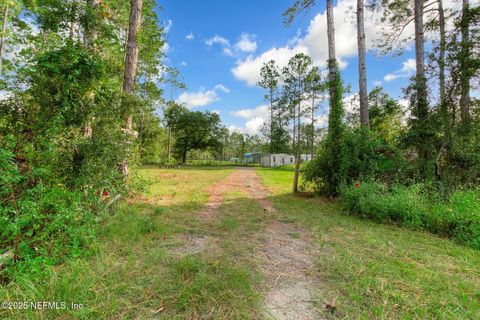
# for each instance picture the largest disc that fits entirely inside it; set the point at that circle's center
(286, 262)
(194, 243)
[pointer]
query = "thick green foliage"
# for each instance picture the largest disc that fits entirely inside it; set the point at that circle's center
(329, 170)
(414, 206)
(366, 155)
(41, 225)
(61, 121)
(196, 130)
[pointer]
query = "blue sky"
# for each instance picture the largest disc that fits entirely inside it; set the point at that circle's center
(218, 47)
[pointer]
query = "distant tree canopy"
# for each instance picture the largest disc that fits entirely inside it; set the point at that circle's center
(195, 130)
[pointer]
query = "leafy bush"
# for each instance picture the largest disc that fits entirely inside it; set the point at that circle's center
(40, 225)
(413, 206)
(366, 155)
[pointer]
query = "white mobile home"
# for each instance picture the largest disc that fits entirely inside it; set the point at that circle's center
(278, 159)
(305, 157)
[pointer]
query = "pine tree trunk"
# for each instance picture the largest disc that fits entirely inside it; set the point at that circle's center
(184, 156)
(294, 127)
(362, 72)
(441, 64)
(271, 121)
(421, 87)
(131, 64)
(2, 38)
(313, 126)
(297, 151)
(169, 143)
(132, 46)
(464, 74)
(331, 52)
(331, 43)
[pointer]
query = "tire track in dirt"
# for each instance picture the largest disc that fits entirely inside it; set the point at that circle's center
(194, 243)
(283, 250)
(284, 253)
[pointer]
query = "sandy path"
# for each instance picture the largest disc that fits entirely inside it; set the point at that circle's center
(283, 251)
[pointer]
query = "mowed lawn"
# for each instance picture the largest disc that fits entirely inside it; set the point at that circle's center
(376, 271)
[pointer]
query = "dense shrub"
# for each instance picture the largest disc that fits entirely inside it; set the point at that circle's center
(366, 155)
(40, 225)
(413, 206)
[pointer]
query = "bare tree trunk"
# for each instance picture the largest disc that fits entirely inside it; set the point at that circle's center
(2, 38)
(169, 143)
(313, 125)
(132, 46)
(419, 55)
(331, 40)
(362, 72)
(294, 127)
(297, 151)
(332, 62)
(131, 64)
(421, 85)
(441, 64)
(184, 156)
(465, 78)
(271, 121)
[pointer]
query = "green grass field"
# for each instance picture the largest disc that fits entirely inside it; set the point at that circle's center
(376, 271)
(140, 269)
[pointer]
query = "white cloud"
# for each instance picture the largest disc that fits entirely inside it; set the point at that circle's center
(390, 77)
(234, 128)
(217, 40)
(248, 114)
(315, 43)
(248, 70)
(407, 70)
(168, 25)
(321, 121)
(377, 83)
(183, 64)
(166, 47)
(228, 52)
(254, 125)
(190, 36)
(202, 97)
(246, 43)
(223, 42)
(255, 117)
(221, 87)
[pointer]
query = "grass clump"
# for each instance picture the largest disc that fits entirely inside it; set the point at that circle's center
(195, 286)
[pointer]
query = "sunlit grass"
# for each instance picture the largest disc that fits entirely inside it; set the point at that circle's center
(375, 271)
(133, 274)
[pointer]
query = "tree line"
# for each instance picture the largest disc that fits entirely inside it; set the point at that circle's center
(438, 141)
